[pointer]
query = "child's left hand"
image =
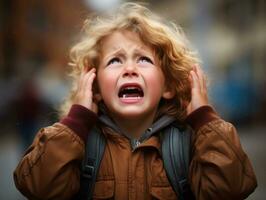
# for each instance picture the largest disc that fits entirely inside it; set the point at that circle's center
(199, 95)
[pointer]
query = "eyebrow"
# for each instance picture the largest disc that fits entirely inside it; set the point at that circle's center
(115, 52)
(119, 52)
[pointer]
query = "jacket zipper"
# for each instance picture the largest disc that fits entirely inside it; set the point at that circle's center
(134, 144)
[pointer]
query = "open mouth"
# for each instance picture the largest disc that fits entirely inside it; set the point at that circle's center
(130, 91)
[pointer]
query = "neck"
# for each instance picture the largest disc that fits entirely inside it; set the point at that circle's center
(134, 126)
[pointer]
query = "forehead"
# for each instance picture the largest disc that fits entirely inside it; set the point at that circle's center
(126, 40)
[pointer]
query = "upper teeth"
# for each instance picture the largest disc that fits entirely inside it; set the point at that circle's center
(131, 88)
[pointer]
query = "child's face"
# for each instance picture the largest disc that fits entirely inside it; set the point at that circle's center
(130, 79)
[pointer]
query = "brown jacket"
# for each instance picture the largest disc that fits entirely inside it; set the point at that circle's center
(50, 168)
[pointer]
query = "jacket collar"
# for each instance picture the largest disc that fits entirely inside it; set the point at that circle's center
(159, 124)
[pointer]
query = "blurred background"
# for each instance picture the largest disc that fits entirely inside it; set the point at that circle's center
(230, 36)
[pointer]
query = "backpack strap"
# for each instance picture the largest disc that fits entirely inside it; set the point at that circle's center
(90, 166)
(175, 144)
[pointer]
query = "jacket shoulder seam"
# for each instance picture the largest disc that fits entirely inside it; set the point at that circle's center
(231, 146)
(42, 151)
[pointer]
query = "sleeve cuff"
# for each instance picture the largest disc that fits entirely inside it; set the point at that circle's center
(201, 116)
(80, 120)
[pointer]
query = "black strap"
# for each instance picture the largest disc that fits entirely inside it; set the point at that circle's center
(176, 157)
(94, 152)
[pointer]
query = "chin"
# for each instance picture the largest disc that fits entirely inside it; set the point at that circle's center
(136, 113)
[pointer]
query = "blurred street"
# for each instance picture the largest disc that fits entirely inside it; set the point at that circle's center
(252, 138)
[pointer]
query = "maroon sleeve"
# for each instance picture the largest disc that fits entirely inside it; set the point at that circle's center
(80, 120)
(201, 116)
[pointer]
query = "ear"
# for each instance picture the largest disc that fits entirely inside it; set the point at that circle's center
(97, 97)
(168, 93)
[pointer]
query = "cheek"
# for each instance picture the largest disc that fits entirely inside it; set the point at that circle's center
(156, 82)
(106, 83)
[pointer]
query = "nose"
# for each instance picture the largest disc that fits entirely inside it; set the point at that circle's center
(130, 70)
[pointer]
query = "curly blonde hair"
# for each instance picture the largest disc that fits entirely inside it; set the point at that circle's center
(168, 41)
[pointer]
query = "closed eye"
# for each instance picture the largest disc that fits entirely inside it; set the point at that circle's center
(145, 59)
(114, 61)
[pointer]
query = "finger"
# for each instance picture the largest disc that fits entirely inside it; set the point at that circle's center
(84, 76)
(80, 80)
(86, 69)
(189, 109)
(199, 73)
(201, 77)
(89, 82)
(89, 78)
(91, 71)
(86, 72)
(81, 77)
(195, 80)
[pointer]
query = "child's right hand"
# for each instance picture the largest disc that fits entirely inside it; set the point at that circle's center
(84, 95)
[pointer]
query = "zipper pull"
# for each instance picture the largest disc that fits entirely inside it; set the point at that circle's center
(134, 144)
